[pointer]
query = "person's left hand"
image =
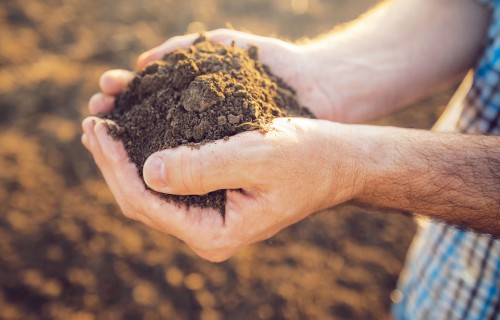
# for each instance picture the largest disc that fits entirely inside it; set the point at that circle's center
(286, 60)
(274, 179)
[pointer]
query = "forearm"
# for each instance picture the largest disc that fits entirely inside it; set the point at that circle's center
(449, 177)
(394, 54)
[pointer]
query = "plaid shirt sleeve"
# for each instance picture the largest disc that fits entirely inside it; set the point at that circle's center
(482, 104)
(489, 3)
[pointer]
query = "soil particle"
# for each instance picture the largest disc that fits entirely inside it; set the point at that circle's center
(195, 96)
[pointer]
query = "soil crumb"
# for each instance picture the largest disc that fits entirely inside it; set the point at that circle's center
(198, 95)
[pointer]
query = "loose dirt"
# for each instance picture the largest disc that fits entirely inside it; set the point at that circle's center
(194, 96)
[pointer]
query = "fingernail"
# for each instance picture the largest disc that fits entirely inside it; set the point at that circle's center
(154, 171)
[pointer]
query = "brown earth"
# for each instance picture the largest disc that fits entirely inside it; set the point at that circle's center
(199, 95)
(66, 252)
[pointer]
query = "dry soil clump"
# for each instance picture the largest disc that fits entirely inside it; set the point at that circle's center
(194, 96)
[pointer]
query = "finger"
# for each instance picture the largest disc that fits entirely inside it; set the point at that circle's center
(120, 174)
(89, 124)
(128, 189)
(227, 37)
(101, 103)
(185, 41)
(138, 203)
(91, 127)
(267, 45)
(85, 141)
(110, 149)
(168, 46)
(220, 35)
(232, 164)
(88, 129)
(113, 82)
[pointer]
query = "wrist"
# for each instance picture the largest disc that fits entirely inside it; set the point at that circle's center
(348, 154)
(367, 162)
(385, 166)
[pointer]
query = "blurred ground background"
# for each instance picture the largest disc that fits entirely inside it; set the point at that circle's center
(66, 252)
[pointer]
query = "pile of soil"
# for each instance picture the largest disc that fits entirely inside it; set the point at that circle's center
(194, 96)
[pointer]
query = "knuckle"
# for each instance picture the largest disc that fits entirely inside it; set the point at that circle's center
(192, 178)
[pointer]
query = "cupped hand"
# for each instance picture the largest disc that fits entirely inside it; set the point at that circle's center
(286, 60)
(274, 180)
(280, 177)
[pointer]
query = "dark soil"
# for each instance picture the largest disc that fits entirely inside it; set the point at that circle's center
(194, 96)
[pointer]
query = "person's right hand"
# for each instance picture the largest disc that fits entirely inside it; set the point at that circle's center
(273, 180)
(286, 60)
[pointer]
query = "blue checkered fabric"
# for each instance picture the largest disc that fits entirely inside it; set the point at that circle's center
(452, 273)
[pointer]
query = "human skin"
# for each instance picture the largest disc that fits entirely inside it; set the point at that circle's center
(369, 68)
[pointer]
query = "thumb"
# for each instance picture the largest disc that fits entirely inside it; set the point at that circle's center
(214, 166)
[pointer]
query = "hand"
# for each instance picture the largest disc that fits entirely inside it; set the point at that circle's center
(295, 169)
(284, 175)
(286, 60)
